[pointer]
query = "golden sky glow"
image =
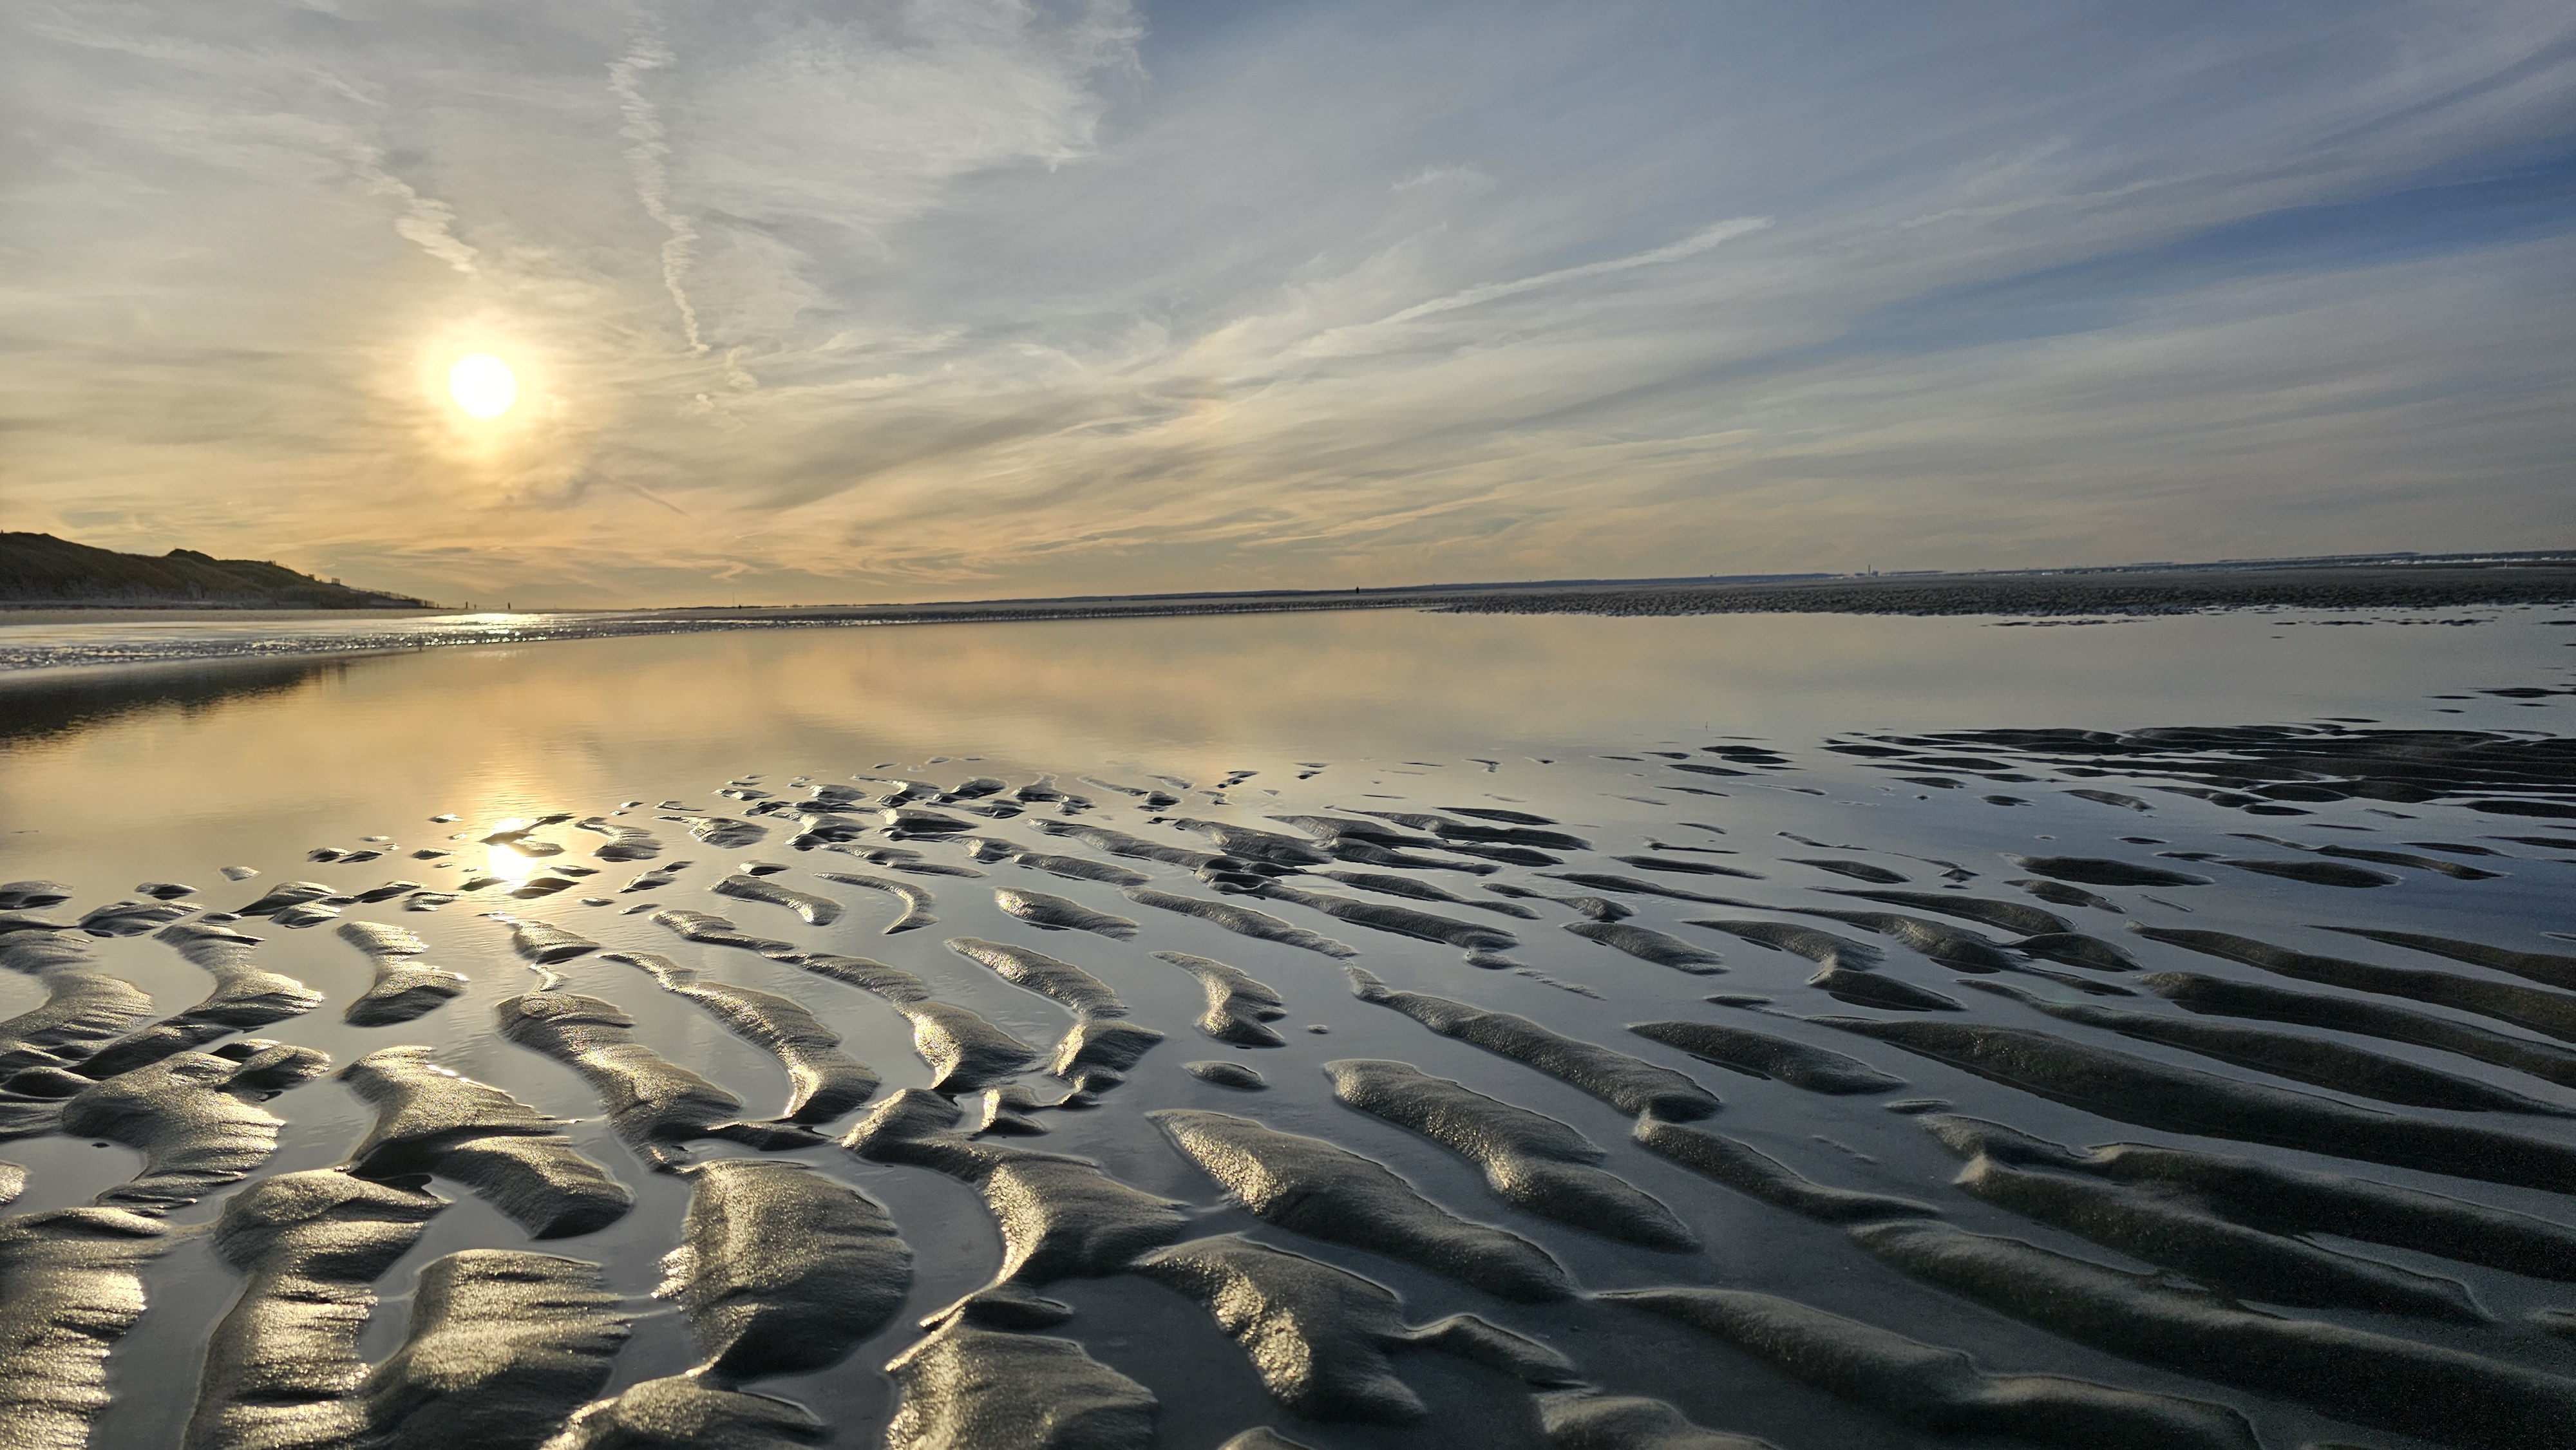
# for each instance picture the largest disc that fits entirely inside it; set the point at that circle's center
(482, 385)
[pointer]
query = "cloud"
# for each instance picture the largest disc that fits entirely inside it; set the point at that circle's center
(1690, 246)
(1027, 296)
(652, 177)
(425, 223)
(1460, 176)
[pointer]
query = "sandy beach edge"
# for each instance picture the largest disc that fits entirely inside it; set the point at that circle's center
(2328, 586)
(2030, 595)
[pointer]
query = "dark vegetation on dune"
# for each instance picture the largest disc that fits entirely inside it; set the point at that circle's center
(41, 569)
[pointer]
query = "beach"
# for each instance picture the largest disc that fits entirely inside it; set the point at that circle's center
(1178, 1022)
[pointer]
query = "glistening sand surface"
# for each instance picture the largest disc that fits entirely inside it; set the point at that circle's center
(1643, 1235)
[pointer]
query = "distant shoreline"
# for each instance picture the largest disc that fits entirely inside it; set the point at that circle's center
(13, 613)
(2144, 592)
(122, 639)
(2375, 585)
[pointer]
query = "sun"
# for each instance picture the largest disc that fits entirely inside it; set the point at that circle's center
(482, 385)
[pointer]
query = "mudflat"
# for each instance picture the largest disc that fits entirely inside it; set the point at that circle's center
(1418, 1028)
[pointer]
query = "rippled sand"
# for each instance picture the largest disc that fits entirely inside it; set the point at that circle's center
(1856, 1085)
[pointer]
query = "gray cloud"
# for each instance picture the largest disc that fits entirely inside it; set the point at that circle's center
(906, 300)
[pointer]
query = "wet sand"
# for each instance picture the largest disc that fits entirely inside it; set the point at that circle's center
(25, 614)
(1867, 1084)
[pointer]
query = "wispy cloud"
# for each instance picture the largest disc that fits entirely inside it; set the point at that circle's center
(426, 223)
(647, 156)
(1020, 296)
(1690, 246)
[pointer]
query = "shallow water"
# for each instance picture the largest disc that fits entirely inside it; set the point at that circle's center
(110, 778)
(64, 639)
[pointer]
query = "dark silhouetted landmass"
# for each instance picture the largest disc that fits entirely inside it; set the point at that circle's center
(39, 569)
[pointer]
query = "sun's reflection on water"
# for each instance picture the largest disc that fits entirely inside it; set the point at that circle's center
(504, 856)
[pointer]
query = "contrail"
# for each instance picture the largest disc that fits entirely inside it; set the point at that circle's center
(426, 223)
(646, 157)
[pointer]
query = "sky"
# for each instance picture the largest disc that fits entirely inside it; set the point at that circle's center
(861, 302)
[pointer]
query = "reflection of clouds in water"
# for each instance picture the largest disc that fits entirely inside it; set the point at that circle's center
(1193, 697)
